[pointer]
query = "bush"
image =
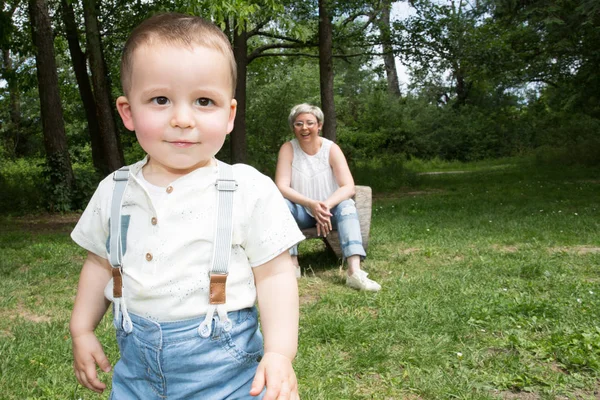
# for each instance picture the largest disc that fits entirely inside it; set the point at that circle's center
(466, 134)
(86, 182)
(25, 189)
(585, 153)
(20, 183)
(383, 174)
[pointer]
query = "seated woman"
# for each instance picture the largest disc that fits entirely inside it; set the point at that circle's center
(314, 177)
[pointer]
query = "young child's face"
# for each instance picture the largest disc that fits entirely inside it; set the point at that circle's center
(179, 104)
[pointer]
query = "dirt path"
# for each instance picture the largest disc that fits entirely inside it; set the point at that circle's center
(40, 223)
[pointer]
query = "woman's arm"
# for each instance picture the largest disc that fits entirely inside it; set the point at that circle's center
(342, 175)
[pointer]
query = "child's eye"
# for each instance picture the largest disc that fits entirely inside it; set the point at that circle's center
(204, 102)
(160, 100)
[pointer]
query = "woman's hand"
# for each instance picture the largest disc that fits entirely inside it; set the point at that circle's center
(322, 214)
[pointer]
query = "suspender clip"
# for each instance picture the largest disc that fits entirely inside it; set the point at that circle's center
(228, 185)
(122, 174)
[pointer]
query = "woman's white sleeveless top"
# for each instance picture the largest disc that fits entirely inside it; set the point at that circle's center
(312, 176)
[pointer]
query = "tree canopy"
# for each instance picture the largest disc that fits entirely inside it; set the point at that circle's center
(487, 79)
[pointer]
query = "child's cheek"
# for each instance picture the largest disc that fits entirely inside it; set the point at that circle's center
(149, 127)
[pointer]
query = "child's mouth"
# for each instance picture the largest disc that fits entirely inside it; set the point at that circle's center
(183, 144)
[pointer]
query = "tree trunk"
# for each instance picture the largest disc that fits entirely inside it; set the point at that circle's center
(237, 140)
(85, 88)
(326, 70)
(14, 103)
(389, 60)
(9, 73)
(104, 104)
(462, 89)
(55, 139)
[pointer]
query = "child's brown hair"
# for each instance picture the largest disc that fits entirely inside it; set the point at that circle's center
(178, 30)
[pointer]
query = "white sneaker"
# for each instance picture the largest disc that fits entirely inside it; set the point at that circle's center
(358, 280)
(298, 272)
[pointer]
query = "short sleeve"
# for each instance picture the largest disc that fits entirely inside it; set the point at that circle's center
(91, 231)
(271, 226)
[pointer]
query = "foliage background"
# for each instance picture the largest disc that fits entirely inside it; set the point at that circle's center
(488, 80)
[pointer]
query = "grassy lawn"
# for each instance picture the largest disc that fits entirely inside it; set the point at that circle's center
(491, 290)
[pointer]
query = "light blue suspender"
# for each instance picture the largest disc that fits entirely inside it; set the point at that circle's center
(120, 176)
(226, 186)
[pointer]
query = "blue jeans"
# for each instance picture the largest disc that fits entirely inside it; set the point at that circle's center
(344, 220)
(170, 360)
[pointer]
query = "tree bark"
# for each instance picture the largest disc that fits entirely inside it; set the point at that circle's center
(389, 60)
(101, 84)
(99, 159)
(462, 88)
(14, 96)
(14, 103)
(326, 70)
(237, 140)
(55, 139)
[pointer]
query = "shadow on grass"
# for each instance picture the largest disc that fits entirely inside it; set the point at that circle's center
(315, 257)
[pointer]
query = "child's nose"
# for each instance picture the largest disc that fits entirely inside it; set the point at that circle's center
(183, 117)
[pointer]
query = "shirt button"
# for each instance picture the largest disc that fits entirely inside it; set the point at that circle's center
(169, 189)
(154, 221)
(148, 257)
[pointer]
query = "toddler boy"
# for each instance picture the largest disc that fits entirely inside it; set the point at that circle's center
(178, 75)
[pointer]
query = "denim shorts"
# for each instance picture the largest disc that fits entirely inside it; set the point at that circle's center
(170, 360)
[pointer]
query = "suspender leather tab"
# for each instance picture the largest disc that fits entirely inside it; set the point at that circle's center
(117, 283)
(218, 283)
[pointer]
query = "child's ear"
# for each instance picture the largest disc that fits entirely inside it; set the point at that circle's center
(232, 112)
(124, 109)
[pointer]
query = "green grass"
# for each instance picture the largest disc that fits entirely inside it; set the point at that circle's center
(491, 290)
(436, 164)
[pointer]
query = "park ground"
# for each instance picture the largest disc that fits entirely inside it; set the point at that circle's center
(491, 290)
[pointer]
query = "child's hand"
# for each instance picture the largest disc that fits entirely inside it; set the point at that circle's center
(276, 372)
(87, 352)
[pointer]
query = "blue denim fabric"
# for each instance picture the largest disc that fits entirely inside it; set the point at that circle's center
(170, 360)
(344, 220)
(124, 228)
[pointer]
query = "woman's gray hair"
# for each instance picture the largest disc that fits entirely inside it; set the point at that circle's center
(305, 108)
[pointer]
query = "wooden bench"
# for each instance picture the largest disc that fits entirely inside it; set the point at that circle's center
(363, 200)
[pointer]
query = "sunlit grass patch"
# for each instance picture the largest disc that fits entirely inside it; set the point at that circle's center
(491, 290)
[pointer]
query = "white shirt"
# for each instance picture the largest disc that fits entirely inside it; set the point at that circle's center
(312, 176)
(166, 265)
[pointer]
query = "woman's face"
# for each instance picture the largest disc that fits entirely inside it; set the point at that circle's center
(306, 127)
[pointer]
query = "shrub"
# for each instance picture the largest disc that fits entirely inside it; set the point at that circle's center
(25, 189)
(86, 182)
(586, 153)
(20, 183)
(384, 174)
